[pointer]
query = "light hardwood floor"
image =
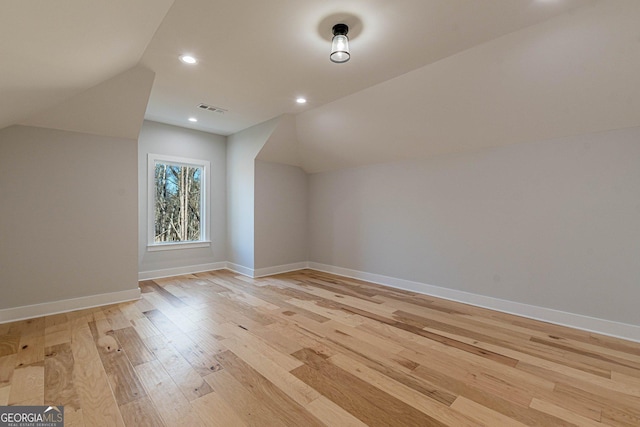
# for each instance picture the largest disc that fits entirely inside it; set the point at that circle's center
(309, 348)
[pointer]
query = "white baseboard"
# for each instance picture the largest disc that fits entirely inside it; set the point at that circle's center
(178, 271)
(63, 306)
(578, 321)
(241, 269)
(266, 271)
(279, 269)
(237, 268)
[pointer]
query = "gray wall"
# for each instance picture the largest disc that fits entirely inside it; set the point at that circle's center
(280, 214)
(242, 149)
(68, 204)
(159, 138)
(553, 224)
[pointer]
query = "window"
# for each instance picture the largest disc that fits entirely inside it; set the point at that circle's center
(177, 202)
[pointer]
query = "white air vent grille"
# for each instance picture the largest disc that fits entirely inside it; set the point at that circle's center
(212, 108)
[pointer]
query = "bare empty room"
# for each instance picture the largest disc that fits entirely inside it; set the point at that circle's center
(338, 213)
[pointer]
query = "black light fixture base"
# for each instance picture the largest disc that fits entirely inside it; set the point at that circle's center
(340, 29)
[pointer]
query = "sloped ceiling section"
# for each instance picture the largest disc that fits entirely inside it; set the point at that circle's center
(53, 50)
(574, 74)
(282, 145)
(112, 108)
(257, 56)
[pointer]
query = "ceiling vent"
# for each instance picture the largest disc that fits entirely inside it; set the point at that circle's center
(212, 108)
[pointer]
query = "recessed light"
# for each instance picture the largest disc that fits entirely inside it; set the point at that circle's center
(193, 119)
(301, 100)
(188, 59)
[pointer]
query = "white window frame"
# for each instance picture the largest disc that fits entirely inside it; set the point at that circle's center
(204, 241)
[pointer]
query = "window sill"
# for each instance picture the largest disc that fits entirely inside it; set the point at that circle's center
(177, 246)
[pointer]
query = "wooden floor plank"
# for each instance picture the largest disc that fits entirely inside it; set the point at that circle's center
(57, 333)
(149, 286)
(312, 348)
(190, 383)
(133, 346)
(172, 406)
(99, 407)
(262, 389)
(609, 405)
(200, 360)
(483, 414)
(74, 418)
(140, 413)
(30, 349)
(59, 389)
(207, 341)
(27, 385)
(281, 359)
(9, 344)
(214, 412)
(520, 413)
(115, 317)
(246, 405)
(28, 327)
(7, 366)
(4, 395)
(563, 414)
(369, 404)
(144, 327)
(411, 397)
(297, 390)
(332, 414)
(124, 381)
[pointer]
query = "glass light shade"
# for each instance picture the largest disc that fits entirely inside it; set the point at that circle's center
(340, 48)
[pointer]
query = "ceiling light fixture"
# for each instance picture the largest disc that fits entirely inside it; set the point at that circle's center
(301, 100)
(188, 59)
(340, 44)
(193, 119)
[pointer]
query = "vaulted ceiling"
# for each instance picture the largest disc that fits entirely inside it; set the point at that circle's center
(426, 76)
(53, 50)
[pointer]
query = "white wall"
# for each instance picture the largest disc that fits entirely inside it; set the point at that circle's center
(280, 214)
(554, 224)
(159, 138)
(68, 204)
(242, 149)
